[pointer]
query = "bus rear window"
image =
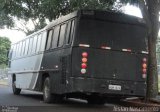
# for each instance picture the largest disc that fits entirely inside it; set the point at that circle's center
(118, 36)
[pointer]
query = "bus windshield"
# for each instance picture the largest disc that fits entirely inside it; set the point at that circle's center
(118, 36)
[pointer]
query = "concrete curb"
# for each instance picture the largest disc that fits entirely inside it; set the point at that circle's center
(141, 104)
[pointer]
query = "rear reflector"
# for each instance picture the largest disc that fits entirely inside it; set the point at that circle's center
(126, 50)
(84, 45)
(145, 52)
(108, 48)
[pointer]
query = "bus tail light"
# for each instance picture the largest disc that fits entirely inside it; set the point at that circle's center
(144, 68)
(83, 71)
(144, 76)
(144, 65)
(84, 65)
(84, 54)
(144, 60)
(144, 71)
(84, 62)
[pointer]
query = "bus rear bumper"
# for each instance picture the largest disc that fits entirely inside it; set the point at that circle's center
(102, 87)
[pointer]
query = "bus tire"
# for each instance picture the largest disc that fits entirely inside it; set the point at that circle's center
(16, 91)
(48, 97)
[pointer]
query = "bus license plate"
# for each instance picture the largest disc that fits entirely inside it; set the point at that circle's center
(115, 87)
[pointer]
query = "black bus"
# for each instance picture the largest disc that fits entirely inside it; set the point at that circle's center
(87, 54)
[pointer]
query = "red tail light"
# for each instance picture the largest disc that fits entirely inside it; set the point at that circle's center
(84, 65)
(144, 68)
(85, 54)
(84, 62)
(144, 65)
(144, 71)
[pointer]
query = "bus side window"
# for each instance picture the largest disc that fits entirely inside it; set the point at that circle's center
(68, 32)
(39, 42)
(34, 44)
(55, 37)
(50, 32)
(21, 53)
(18, 50)
(23, 46)
(62, 35)
(30, 46)
(14, 51)
(43, 41)
(26, 47)
(72, 32)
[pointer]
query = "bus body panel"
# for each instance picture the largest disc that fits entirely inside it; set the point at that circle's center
(116, 64)
(91, 86)
(57, 64)
(26, 71)
(107, 67)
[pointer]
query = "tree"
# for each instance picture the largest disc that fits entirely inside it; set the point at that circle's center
(24, 11)
(150, 10)
(5, 44)
(38, 11)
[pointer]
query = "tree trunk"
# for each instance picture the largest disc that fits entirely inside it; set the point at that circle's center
(152, 79)
(153, 19)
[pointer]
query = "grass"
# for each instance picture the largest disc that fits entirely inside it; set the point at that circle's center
(3, 82)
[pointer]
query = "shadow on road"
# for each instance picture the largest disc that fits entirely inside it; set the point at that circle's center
(32, 96)
(29, 101)
(66, 102)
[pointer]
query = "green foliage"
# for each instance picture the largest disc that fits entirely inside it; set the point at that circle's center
(4, 48)
(39, 10)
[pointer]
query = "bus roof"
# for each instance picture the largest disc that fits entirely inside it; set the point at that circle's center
(99, 15)
(62, 19)
(113, 17)
(94, 14)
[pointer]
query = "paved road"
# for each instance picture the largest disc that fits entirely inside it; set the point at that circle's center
(31, 101)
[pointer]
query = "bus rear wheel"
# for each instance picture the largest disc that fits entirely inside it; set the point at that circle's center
(16, 91)
(48, 97)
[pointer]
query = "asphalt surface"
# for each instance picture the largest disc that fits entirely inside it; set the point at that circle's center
(29, 101)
